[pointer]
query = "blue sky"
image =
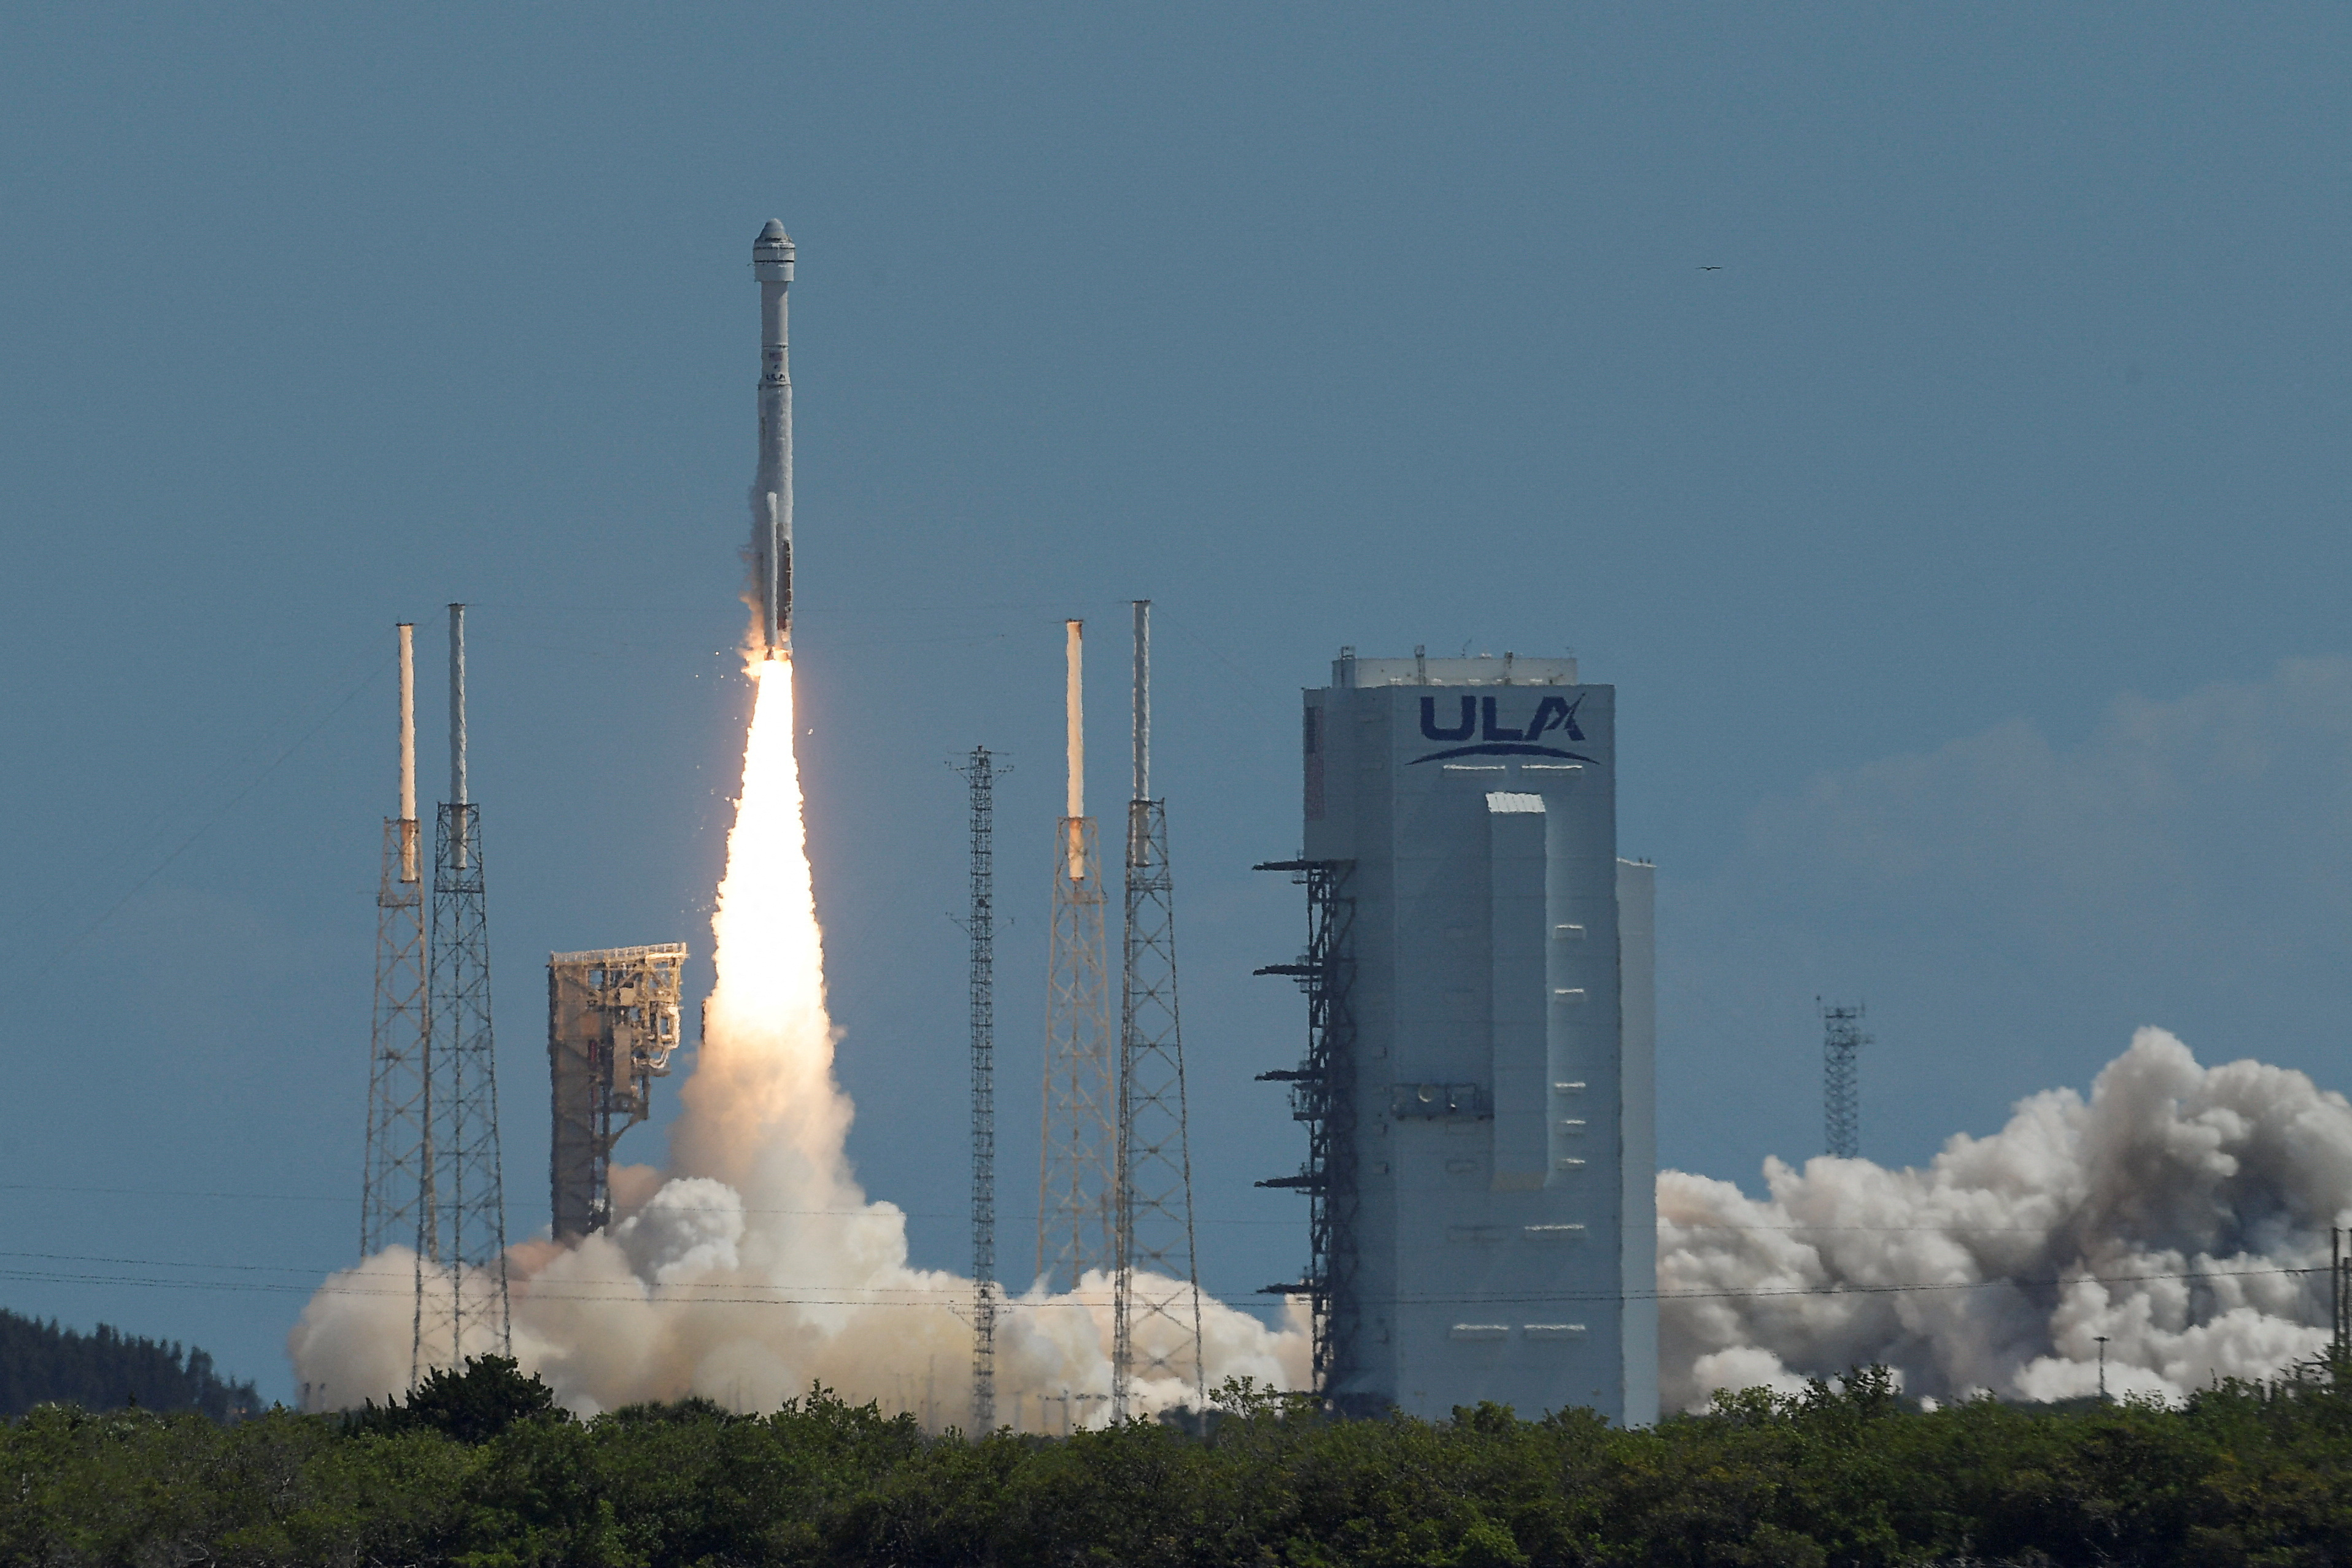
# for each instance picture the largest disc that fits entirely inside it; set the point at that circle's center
(1969, 550)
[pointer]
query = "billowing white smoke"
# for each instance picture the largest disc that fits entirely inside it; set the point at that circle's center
(755, 1265)
(2172, 1213)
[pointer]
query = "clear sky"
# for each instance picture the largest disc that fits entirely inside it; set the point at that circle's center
(1969, 550)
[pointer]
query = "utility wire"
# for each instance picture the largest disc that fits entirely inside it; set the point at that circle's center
(948, 1300)
(1726, 1225)
(233, 803)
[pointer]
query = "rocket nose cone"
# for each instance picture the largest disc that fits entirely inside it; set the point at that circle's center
(772, 254)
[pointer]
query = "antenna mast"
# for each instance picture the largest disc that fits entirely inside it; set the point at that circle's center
(980, 771)
(1842, 1043)
(1155, 1319)
(461, 1253)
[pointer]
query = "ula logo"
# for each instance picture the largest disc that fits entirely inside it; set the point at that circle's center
(1477, 717)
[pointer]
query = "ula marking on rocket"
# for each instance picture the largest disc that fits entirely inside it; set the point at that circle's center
(771, 491)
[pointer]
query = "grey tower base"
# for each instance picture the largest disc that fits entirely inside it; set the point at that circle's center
(1499, 1238)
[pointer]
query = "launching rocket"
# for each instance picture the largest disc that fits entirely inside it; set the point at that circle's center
(771, 492)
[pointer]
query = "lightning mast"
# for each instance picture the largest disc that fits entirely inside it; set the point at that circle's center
(1156, 1307)
(1074, 1189)
(461, 1264)
(394, 1177)
(980, 771)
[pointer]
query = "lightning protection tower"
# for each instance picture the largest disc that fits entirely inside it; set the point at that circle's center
(980, 770)
(1156, 1305)
(1075, 1185)
(612, 1026)
(461, 1268)
(396, 1144)
(1842, 1043)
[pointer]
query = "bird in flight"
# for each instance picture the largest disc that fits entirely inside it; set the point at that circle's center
(1710, 270)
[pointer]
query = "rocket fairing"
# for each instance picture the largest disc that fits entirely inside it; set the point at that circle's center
(771, 492)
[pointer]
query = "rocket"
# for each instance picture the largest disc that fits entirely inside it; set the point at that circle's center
(771, 491)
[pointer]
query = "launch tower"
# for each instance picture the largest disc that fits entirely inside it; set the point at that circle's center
(612, 1026)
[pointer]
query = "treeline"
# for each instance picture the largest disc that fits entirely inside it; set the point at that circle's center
(41, 1363)
(482, 1469)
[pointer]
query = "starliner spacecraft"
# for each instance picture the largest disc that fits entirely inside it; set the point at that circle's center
(771, 492)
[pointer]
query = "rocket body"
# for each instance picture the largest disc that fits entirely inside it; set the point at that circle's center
(771, 491)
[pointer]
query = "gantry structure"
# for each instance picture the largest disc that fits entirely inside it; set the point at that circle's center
(611, 1027)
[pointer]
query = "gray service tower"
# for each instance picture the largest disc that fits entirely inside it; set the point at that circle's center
(1479, 1085)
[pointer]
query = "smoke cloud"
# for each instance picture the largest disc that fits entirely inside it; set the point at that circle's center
(755, 1264)
(2175, 1212)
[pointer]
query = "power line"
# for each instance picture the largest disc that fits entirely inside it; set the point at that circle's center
(946, 1302)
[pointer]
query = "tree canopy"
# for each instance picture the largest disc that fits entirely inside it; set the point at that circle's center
(41, 1363)
(480, 1469)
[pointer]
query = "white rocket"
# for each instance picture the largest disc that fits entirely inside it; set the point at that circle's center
(771, 492)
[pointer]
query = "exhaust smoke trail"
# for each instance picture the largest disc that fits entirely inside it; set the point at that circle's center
(2178, 1212)
(755, 1264)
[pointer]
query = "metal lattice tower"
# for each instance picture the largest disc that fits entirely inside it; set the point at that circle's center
(1154, 1233)
(980, 771)
(1075, 1188)
(1323, 1096)
(612, 1026)
(1842, 1042)
(396, 1144)
(461, 1269)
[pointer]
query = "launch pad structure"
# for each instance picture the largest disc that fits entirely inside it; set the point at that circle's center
(461, 1258)
(611, 1027)
(432, 1177)
(1478, 1086)
(1156, 1300)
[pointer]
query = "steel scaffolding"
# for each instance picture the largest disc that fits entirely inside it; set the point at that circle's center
(395, 1169)
(1153, 1237)
(461, 1253)
(1842, 1043)
(1323, 1096)
(980, 771)
(612, 1026)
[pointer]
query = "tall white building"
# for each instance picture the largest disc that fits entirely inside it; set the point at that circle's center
(1481, 1088)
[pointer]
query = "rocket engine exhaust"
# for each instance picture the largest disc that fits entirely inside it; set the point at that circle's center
(771, 491)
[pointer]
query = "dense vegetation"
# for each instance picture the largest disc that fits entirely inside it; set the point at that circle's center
(41, 1363)
(482, 1469)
